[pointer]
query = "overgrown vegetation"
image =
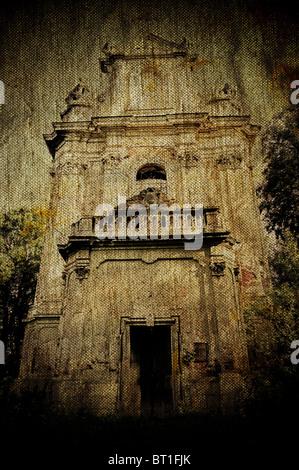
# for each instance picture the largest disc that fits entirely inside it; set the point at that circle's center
(279, 190)
(273, 321)
(21, 237)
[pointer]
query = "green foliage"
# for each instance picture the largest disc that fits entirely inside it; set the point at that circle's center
(279, 190)
(21, 237)
(272, 323)
(277, 312)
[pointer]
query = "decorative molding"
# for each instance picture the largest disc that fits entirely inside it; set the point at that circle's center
(68, 168)
(78, 95)
(217, 268)
(227, 92)
(82, 272)
(162, 49)
(206, 125)
(112, 161)
(150, 196)
(250, 129)
(189, 159)
(229, 162)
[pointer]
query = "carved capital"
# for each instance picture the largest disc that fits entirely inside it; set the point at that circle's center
(227, 92)
(231, 162)
(112, 161)
(189, 159)
(82, 272)
(217, 268)
(68, 168)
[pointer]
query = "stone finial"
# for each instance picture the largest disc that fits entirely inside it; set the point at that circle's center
(108, 49)
(227, 92)
(78, 95)
(77, 103)
(223, 102)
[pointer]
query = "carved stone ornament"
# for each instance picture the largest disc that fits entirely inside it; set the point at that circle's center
(82, 272)
(189, 159)
(225, 101)
(217, 268)
(149, 196)
(68, 168)
(227, 92)
(231, 162)
(78, 95)
(111, 161)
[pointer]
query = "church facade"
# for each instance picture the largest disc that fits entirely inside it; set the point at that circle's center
(146, 326)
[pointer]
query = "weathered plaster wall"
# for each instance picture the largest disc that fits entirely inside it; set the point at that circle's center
(46, 46)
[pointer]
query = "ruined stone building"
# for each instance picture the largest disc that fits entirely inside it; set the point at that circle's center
(145, 325)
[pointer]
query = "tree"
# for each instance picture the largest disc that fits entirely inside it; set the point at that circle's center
(21, 237)
(272, 321)
(272, 324)
(279, 309)
(279, 190)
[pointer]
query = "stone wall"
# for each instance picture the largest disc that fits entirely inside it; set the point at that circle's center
(92, 293)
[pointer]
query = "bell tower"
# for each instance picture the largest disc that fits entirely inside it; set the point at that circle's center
(144, 326)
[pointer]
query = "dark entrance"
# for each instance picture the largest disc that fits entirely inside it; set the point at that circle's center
(151, 351)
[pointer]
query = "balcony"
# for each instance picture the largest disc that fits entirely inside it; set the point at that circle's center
(152, 231)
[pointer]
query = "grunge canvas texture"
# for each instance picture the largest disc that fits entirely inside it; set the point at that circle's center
(149, 225)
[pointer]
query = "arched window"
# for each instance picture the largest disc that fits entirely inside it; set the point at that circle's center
(151, 172)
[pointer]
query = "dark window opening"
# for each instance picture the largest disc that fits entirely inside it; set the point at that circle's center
(153, 172)
(200, 352)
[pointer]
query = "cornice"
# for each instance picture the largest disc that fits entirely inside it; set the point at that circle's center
(98, 127)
